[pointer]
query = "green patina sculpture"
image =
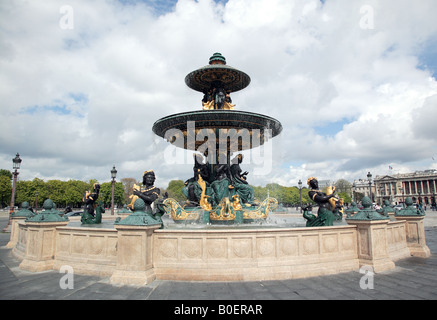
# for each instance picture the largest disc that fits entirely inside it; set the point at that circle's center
(142, 215)
(325, 216)
(49, 214)
(125, 210)
(242, 188)
(410, 210)
(88, 218)
(386, 209)
(367, 213)
(353, 209)
(24, 211)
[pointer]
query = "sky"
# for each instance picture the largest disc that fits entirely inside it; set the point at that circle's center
(353, 84)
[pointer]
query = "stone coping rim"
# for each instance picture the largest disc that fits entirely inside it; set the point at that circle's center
(255, 230)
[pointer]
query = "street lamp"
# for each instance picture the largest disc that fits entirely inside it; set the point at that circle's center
(354, 185)
(36, 202)
(401, 190)
(300, 192)
(16, 162)
(381, 187)
(369, 177)
(113, 175)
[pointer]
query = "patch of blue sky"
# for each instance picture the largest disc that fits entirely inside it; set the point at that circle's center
(61, 107)
(428, 57)
(79, 97)
(330, 128)
(160, 7)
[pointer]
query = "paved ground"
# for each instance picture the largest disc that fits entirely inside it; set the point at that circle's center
(413, 279)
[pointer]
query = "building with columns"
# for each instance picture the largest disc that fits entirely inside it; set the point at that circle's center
(419, 185)
(363, 187)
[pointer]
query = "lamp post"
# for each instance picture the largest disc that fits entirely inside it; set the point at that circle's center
(369, 177)
(16, 162)
(381, 187)
(113, 175)
(300, 192)
(354, 196)
(36, 202)
(401, 190)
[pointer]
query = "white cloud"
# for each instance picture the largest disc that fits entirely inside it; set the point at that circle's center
(75, 102)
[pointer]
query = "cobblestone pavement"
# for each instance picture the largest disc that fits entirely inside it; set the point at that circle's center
(412, 279)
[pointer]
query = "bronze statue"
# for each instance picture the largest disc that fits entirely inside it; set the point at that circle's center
(148, 192)
(217, 98)
(88, 216)
(91, 198)
(242, 188)
(193, 188)
(325, 217)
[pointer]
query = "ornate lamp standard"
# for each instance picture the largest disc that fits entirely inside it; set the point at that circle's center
(354, 198)
(401, 190)
(113, 175)
(381, 187)
(36, 202)
(15, 165)
(300, 192)
(369, 177)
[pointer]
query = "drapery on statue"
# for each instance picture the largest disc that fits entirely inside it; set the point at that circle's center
(148, 193)
(217, 99)
(325, 217)
(198, 184)
(242, 188)
(88, 216)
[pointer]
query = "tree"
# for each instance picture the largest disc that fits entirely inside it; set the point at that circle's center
(7, 173)
(106, 194)
(128, 184)
(75, 192)
(5, 190)
(343, 185)
(174, 190)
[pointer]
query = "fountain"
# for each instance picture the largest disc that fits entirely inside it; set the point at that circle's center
(218, 192)
(216, 238)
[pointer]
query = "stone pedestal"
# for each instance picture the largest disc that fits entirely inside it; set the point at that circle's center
(415, 230)
(372, 244)
(134, 258)
(40, 245)
(14, 231)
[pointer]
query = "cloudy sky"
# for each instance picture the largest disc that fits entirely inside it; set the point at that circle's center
(352, 82)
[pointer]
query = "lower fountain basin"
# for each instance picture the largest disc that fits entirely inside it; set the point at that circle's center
(189, 124)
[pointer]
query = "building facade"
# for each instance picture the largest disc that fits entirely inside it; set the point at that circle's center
(363, 188)
(421, 186)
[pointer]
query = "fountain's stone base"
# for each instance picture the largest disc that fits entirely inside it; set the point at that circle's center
(137, 255)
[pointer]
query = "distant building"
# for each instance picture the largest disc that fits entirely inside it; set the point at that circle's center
(362, 186)
(419, 185)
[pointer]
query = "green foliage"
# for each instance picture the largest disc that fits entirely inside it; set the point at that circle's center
(5, 190)
(174, 190)
(106, 194)
(7, 173)
(287, 196)
(64, 193)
